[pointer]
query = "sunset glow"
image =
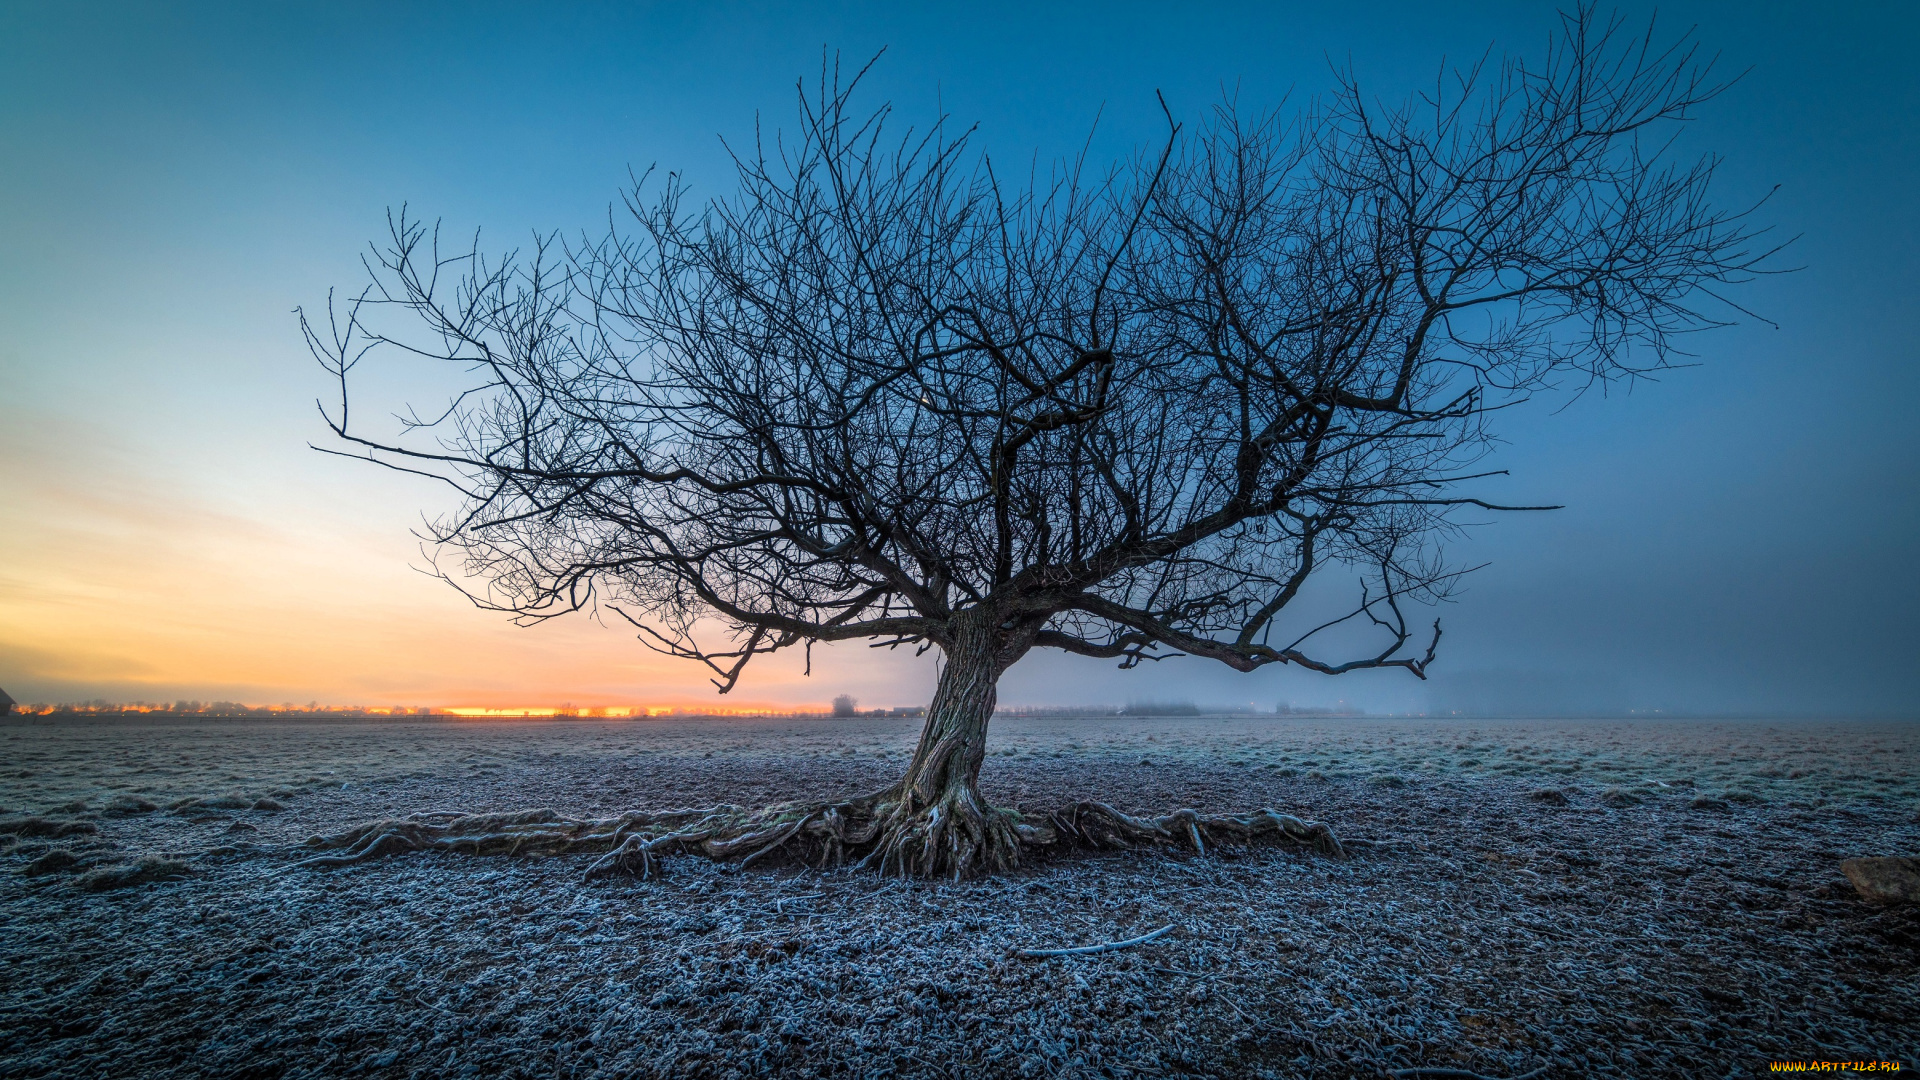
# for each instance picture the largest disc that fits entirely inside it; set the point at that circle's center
(167, 532)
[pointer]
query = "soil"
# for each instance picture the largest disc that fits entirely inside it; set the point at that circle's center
(1601, 898)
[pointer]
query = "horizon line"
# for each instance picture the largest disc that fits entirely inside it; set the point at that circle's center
(1160, 710)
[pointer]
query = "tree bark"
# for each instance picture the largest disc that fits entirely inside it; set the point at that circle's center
(937, 823)
(953, 742)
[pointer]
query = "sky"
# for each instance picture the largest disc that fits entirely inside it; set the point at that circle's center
(1738, 537)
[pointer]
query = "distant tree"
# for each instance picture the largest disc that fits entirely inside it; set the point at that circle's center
(878, 394)
(845, 705)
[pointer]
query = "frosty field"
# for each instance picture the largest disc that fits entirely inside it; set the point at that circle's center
(1612, 898)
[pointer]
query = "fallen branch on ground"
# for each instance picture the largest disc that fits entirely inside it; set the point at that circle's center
(1458, 1075)
(1089, 950)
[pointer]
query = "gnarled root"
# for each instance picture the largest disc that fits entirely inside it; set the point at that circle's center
(1097, 825)
(957, 836)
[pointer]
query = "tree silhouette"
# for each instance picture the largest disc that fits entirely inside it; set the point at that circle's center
(880, 394)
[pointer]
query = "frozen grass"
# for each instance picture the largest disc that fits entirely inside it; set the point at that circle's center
(1624, 899)
(227, 763)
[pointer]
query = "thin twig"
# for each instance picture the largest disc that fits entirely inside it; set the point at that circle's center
(1460, 1073)
(1241, 1013)
(1088, 950)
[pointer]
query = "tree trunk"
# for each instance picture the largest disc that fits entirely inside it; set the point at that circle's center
(938, 824)
(953, 741)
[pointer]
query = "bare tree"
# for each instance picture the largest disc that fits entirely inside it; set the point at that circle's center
(878, 394)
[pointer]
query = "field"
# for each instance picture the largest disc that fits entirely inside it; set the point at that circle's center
(1591, 898)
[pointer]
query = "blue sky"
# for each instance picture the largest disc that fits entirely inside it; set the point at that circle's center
(1739, 536)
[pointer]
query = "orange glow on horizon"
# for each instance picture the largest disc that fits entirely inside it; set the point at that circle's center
(129, 581)
(124, 583)
(462, 712)
(626, 711)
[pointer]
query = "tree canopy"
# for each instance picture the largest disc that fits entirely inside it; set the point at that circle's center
(1134, 413)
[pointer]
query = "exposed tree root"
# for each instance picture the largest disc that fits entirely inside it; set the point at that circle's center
(957, 836)
(1098, 825)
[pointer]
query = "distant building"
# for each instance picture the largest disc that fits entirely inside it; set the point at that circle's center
(6, 704)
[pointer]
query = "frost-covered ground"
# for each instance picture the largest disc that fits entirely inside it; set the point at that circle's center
(1624, 898)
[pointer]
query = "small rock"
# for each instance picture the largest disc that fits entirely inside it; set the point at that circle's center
(1885, 880)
